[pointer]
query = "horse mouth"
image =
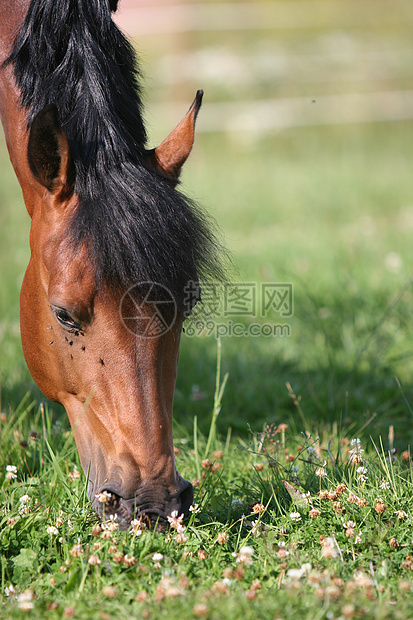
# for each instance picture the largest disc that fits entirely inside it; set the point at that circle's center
(141, 511)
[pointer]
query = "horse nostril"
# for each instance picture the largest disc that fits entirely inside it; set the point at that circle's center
(186, 497)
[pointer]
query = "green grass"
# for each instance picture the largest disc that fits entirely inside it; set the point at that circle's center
(264, 542)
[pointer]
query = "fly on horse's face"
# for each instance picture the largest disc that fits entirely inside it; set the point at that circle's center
(106, 219)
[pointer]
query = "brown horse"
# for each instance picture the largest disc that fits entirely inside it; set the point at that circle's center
(113, 246)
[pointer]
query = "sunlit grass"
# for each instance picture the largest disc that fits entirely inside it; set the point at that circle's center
(325, 514)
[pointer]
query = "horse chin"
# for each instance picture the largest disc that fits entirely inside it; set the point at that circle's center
(145, 507)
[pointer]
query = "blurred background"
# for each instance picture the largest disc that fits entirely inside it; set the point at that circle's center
(303, 156)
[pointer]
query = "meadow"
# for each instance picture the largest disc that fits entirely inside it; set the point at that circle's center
(298, 444)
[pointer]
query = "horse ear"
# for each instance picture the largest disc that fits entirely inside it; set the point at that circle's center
(49, 153)
(171, 155)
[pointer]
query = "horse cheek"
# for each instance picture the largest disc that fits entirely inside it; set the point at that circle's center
(38, 341)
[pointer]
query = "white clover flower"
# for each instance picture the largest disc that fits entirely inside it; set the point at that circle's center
(25, 499)
(11, 472)
(181, 537)
(295, 516)
(157, 559)
(103, 497)
(329, 549)
(9, 590)
(25, 600)
(298, 573)
(321, 472)
(385, 484)
(245, 555)
(361, 470)
(137, 527)
(52, 530)
(195, 509)
(174, 521)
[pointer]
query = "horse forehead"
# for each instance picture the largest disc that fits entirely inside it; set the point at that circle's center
(71, 272)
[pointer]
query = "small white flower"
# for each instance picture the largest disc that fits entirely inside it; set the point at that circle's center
(25, 499)
(9, 590)
(174, 521)
(52, 530)
(181, 537)
(25, 600)
(195, 509)
(245, 554)
(157, 558)
(361, 470)
(297, 573)
(11, 472)
(295, 516)
(103, 497)
(385, 484)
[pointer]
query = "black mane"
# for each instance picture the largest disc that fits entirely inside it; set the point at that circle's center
(137, 227)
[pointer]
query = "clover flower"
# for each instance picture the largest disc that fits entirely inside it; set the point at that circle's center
(9, 590)
(52, 530)
(11, 472)
(174, 521)
(103, 497)
(298, 573)
(137, 527)
(295, 516)
(77, 550)
(157, 559)
(314, 513)
(244, 556)
(401, 514)
(25, 600)
(181, 537)
(328, 548)
(355, 452)
(222, 538)
(195, 509)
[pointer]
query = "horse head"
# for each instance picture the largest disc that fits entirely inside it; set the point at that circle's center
(106, 351)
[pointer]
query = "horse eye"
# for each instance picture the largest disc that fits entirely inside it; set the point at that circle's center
(65, 319)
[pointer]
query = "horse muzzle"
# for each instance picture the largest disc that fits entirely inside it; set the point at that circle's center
(151, 503)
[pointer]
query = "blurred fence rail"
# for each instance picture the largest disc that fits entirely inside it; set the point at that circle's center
(267, 66)
(261, 117)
